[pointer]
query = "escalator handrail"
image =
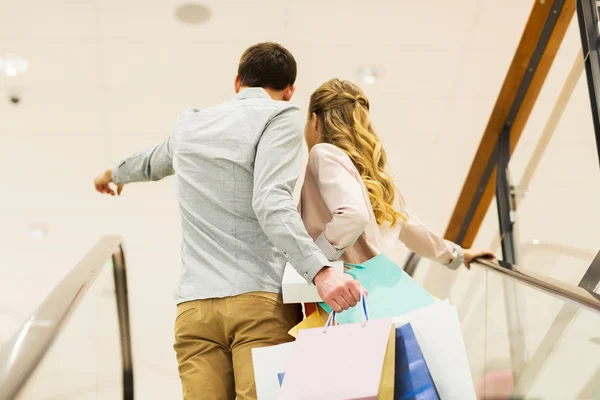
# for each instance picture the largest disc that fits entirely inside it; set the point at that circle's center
(25, 350)
(554, 287)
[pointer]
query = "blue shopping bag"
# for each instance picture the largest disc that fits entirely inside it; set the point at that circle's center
(412, 380)
(392, 292)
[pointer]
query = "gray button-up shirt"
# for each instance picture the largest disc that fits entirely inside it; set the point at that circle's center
(235, 166)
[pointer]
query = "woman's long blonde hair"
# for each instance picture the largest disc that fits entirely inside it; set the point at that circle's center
(342, 110)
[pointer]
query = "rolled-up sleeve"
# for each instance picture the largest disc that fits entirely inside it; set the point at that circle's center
(426, 243)
(276, 170)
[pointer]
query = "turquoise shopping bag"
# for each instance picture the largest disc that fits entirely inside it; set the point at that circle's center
(391, 291)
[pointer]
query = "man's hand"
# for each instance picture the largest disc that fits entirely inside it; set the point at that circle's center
(338, 290)
(103, 183)
(472, 254)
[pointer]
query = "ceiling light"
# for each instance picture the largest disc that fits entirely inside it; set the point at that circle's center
(37, 232)
(535, 241)
(192, 13)
(369, 74)
(13, 65)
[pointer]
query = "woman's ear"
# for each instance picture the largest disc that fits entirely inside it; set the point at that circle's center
(314, 122)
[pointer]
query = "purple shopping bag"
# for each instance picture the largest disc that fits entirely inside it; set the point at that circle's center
(338, 362)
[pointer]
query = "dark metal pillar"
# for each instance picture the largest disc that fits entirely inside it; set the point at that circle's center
(587, 15)
(504, 198)
(506, 203)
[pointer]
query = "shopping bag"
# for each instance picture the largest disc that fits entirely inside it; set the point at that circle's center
(314, 320)
(386, 385)
(339, 362)
(412, 378)
(392, 291)
(268, 363)
(295, 289)
(437, 330)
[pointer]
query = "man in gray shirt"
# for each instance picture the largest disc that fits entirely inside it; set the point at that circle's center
(235, 166)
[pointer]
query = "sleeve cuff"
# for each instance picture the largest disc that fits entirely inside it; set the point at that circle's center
(115, 173)
(327, 248)
(459, 257)
(311, 266)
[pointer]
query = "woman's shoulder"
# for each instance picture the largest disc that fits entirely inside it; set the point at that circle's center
(328, 153)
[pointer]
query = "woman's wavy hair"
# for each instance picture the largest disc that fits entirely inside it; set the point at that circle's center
(342, 110)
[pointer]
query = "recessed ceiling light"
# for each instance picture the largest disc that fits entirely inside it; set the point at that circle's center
(369, 74)
(192, 13)
(535, 241)
(13, 65)
(37, 232)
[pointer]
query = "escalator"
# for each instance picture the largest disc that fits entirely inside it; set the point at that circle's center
(77, 343)
(555, 351)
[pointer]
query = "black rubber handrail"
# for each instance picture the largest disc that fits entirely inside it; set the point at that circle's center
(562, 290)
(565, 291)
(20, 356)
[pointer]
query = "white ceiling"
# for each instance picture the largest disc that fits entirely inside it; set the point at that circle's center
(108, 77)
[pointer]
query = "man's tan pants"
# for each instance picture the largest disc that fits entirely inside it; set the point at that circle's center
(214, 339)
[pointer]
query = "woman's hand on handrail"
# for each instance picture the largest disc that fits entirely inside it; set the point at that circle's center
(472, 254)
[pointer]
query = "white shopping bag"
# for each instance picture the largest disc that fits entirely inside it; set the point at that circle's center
(438, 333)
(295, 288)
(268, 362)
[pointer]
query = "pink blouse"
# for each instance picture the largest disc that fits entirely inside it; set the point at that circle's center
(337, 213)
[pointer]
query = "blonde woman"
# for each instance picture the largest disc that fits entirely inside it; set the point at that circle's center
(349, 204)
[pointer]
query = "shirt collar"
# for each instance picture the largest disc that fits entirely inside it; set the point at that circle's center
(252, 92)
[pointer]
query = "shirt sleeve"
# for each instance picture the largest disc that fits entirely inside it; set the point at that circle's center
(426, 243)
(152, 164)
(344, 196)
(276, 169)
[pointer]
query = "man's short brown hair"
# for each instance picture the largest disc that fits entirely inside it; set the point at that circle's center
(267, 65)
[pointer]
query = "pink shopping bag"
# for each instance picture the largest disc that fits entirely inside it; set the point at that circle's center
(338, 362)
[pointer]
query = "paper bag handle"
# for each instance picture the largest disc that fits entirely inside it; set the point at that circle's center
(365, 313)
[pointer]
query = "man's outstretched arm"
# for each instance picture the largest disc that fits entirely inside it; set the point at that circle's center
(151, 164)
